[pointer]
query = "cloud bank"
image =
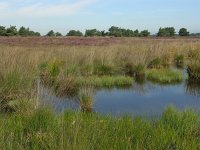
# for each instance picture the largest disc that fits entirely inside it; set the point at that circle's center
(31, 8)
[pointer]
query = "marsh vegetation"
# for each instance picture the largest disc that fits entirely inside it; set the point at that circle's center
(77, 70)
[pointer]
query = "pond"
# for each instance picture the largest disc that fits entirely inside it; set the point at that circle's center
(143, 99)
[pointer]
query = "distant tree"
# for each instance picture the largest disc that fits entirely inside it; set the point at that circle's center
(171, 31)
(183, 32)
(163, 32)
(74, 33)
(32, 33)
(144, 33)
(127, 33)
(195, 34)
(136, 33)
(103, 33)
(51, 33)
(24, 31)
(92, 32)
(115, 31)
(58, 34)
(37, 34)
(2, 31)
(11, 31)
(168, 31)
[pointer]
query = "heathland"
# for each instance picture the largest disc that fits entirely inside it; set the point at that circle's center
(66, 66)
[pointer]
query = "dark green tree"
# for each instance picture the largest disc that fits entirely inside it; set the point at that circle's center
(2, 31)
(24, 31)
(37, 34)
(115, 31)
(74, 33)
(136, 33)
(11, 31)
(58, 34)
(183, 32)
(51, 33)
(92, 32)
(144, 33)
(32, 33)
(168, 31)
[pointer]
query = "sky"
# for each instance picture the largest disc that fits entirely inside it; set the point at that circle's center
(64, 15)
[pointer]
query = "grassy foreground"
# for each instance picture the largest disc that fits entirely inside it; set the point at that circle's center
(42, 129)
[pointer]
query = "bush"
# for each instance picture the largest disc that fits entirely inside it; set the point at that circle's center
(74, 33)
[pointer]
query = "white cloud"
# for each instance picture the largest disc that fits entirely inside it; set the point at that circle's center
(3, 5)
(43, 9)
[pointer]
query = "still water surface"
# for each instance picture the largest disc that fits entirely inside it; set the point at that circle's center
(146, 99)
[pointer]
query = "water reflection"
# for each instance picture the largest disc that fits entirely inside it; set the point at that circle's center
(143, 98)
(192, 88)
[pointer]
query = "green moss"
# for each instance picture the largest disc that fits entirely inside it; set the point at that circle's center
(164, 76)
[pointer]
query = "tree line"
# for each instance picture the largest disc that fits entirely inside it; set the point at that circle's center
(112, 31)
(12, 31)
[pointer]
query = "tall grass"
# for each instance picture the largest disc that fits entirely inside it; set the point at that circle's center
(193, 68)
(72, 130)
(28, 128)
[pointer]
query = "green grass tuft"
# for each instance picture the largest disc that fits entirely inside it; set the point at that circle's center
(164, 76)
(104, 81)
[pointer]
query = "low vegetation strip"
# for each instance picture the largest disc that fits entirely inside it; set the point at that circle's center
(104, 81)
(42, 129)
(164, 76)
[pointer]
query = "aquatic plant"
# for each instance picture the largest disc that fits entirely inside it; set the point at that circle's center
(54, 66)
(102, 69)
(104, 81)
(193, 70)
(179, 60)
(164, 76)
(85, 98)
(87, 70)
(65, 87)
(129, 69)
(139, 70)
(155, 63)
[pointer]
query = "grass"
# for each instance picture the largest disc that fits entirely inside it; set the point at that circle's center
(179, 60)
(95, 62)
(104, 81)
(164, 76)
(73, 130)
(194, 66)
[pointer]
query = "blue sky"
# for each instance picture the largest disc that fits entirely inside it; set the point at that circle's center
(63, 15)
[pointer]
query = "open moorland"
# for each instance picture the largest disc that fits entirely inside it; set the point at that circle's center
(76, 69)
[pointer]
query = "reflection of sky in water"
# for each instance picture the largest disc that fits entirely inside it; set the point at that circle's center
(147, 99)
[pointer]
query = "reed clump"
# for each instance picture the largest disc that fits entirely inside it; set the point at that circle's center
(193, 68)
(179, 60)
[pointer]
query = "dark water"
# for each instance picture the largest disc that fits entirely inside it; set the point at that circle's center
(146, 99)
